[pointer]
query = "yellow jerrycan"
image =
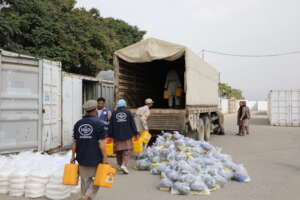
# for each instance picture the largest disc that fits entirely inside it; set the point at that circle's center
(109, 146)
(146, 137)
(179, 92)
(70, 174)
(137, 144)
(166, 94)
(105, 176)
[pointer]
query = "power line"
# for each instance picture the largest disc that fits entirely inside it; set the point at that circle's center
(251, 56)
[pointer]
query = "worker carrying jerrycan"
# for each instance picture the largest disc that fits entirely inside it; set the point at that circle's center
(141, 120)
(173, 89)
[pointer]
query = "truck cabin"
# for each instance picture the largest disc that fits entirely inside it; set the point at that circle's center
(138, 81)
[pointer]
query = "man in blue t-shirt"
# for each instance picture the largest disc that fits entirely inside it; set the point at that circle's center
(88, 148)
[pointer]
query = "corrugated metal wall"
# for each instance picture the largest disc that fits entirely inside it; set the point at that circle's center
(34, 97)
(51, 137)
(20, 102)
(284, 107)
(106, 90)
(72, 106)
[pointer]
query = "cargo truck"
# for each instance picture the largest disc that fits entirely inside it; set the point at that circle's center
(140, 73)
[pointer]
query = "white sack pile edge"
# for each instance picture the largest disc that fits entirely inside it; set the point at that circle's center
(35, 175)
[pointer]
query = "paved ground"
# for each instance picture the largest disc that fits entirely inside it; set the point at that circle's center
(271, 155)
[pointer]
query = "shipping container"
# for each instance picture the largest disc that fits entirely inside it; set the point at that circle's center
(262, 106)
(284, 107)
(252, 105)
(51, 134)
(72, 105)
(224, 105)
(77, 89)
(232, 105)
(30, 103)
(39, 104)
(106, 90)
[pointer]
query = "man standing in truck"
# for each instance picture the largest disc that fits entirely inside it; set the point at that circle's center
(173, 83)
(142, 115)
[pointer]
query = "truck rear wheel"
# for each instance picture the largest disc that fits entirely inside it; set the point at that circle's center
(201, 130)
(207, 128)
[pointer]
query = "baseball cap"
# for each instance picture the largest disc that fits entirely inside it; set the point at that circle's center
(149, 101)
(90, 105)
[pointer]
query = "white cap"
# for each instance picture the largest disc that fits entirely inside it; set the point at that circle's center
(149, 101)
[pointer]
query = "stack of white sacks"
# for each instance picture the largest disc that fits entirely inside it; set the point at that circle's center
(34, 175)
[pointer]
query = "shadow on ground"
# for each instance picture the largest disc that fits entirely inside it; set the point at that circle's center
(261, 113)
(259, 121)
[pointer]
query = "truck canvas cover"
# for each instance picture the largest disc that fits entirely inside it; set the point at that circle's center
(201, 79)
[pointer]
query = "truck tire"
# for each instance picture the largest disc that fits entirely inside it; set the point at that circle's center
(207, 128)
(200, 130)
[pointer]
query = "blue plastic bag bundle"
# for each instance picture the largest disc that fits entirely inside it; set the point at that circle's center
(189, 166)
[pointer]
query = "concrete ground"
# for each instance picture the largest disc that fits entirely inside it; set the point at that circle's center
(271, 155)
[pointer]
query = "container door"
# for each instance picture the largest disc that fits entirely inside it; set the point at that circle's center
(20, 102)
(51, 137)
(295, 108)
(106, 90)
(72, 106)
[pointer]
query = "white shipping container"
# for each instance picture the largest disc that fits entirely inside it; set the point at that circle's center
(20, 102)
(232, 105)
(51, 137)
(284, 107)
(224, 105)
(72, 105)
(30, 103)
(262, 106)
(252, 105)
(76, 89)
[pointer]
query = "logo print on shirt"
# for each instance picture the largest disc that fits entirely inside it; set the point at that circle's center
(121, 117)
(85, 131)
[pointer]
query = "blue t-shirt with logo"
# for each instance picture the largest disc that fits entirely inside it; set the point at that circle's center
(87, 133)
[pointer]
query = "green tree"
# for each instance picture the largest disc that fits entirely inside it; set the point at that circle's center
(227, 92)
(81, 39)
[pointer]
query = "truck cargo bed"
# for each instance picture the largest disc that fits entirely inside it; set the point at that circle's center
(166, 119)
